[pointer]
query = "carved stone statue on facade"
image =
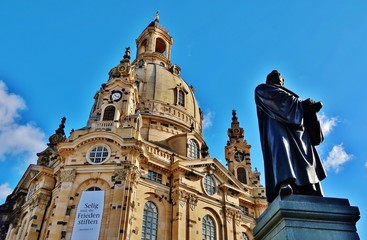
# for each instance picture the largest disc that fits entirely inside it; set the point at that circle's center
(204, 150)
(127, 53)
(50, 153)
(289, 131)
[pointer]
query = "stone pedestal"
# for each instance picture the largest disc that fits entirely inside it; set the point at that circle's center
(308, 217)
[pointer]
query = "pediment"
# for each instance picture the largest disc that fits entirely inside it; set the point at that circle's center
(32, 172)
(199, 168)
(82, 148)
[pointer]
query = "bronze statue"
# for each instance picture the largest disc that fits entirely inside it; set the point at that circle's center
(289, 132)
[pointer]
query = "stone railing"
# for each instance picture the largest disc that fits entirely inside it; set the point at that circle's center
(160, 153)
(104, 124)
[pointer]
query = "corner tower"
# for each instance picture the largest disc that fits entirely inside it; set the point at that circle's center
(237, 153)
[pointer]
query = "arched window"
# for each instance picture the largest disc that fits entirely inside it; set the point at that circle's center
(160, 46)
(30, 191)
(181, 98)
(244, 210)
(109, 113)
(244, 236)
(209, 185)
(143, 47)
(193, 149)
(137, 84)
(92, 189)
(150, 222)
(208, 228)
(241, 175)
(23, 232)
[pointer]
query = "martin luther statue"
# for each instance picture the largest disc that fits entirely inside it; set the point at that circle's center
(289, 132)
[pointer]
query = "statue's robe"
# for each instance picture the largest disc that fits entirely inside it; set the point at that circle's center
(288, 153)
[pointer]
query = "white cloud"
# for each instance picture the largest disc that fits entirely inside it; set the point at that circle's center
(5, 190)
(337, 158)
(208, 120)
(327, 124)
(21, 141)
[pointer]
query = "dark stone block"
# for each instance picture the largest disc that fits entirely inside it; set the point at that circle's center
(308, 217)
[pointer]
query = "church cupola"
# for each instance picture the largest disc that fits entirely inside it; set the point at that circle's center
(155, 43)
(116, 101)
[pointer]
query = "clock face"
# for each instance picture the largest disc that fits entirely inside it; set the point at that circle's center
(238, 156)
(115, 96)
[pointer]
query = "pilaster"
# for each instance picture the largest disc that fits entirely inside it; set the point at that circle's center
(119, 179)
(128, 178)
(37, 208)
(67, 177)
(180, 218)
(192, 216)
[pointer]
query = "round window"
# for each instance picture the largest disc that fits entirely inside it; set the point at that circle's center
(98, 154)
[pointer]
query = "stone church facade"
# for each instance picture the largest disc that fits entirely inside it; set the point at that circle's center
(143, 148)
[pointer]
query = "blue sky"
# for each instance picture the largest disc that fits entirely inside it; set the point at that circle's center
(55, 54)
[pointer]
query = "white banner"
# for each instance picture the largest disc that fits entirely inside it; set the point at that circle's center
(88, 216)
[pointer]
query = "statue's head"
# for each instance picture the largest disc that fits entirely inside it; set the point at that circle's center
(275, 78)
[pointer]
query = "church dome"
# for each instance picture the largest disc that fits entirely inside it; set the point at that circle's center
(165, 94)
(167, 103)
(151, 89)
